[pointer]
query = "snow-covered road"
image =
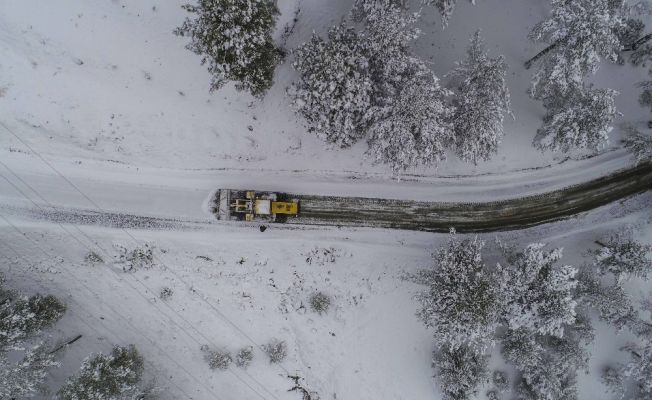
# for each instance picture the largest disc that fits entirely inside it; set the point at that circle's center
(90, 192)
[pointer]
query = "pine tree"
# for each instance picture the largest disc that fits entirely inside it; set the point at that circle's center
(639, 144)
(611, 302)
(521, 348)
(548, 364)
(460, 372)
(629, 32)
(114, 376)
(445, 8)
(612, 378)
(642, 54)
(234, 37)
(23, 318)
(539, 293)
(528, 350)
(624, 257)
(579, 34)
(640, 47)
(24, 378)
(412, 127)
(417, 131)
(388, 32)
(638, 372)
(546, 333)
(581, 120)
(461, 303)
(335, 90)
(481, 103)
(640, 326)
(358, 84)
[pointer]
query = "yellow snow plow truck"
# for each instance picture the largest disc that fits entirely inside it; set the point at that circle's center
(249, 205)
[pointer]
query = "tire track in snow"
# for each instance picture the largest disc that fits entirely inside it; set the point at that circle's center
(503, 215)
(518, 213)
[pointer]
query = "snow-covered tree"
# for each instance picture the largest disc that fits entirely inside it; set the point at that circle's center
(460, 372)
(642, 327)
(445, 8)
(521, 348)
(612, 378)
(638, 47)
(24, 378)
(114, 376)
(639, 144)
(234, 37)
(624, 257)
(25, 317)
(579, 33)
(548, 364)
(581, 120)
(21, 319)
(417, 131)
(547, 384)
(461, 303)
(481, 103)
(539, 293)
(567, 353)
(388, 32)
(635, 41)
(547, 332)
(500, 380)
(335, 90)
(366, 82)
(638, 372)
(642, 53)
(612, 303)
(629, 33)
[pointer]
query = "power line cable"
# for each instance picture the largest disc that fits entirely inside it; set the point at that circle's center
(49, 256)
(213, 307)
(147, 288)
(151, 365)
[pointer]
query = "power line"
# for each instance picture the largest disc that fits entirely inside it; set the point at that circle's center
(41, 208)
(214, 308)
(49, 256)
(238, 377)
(40, 197)
(89, 326)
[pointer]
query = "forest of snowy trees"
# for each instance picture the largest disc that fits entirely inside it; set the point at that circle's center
(369, 84)
(537, 311)
(362, 81)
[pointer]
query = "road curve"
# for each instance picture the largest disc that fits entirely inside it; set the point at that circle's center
(502, 215)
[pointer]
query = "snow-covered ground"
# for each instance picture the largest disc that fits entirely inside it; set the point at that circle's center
(235, 286)
(108, 80)
(111, 99)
